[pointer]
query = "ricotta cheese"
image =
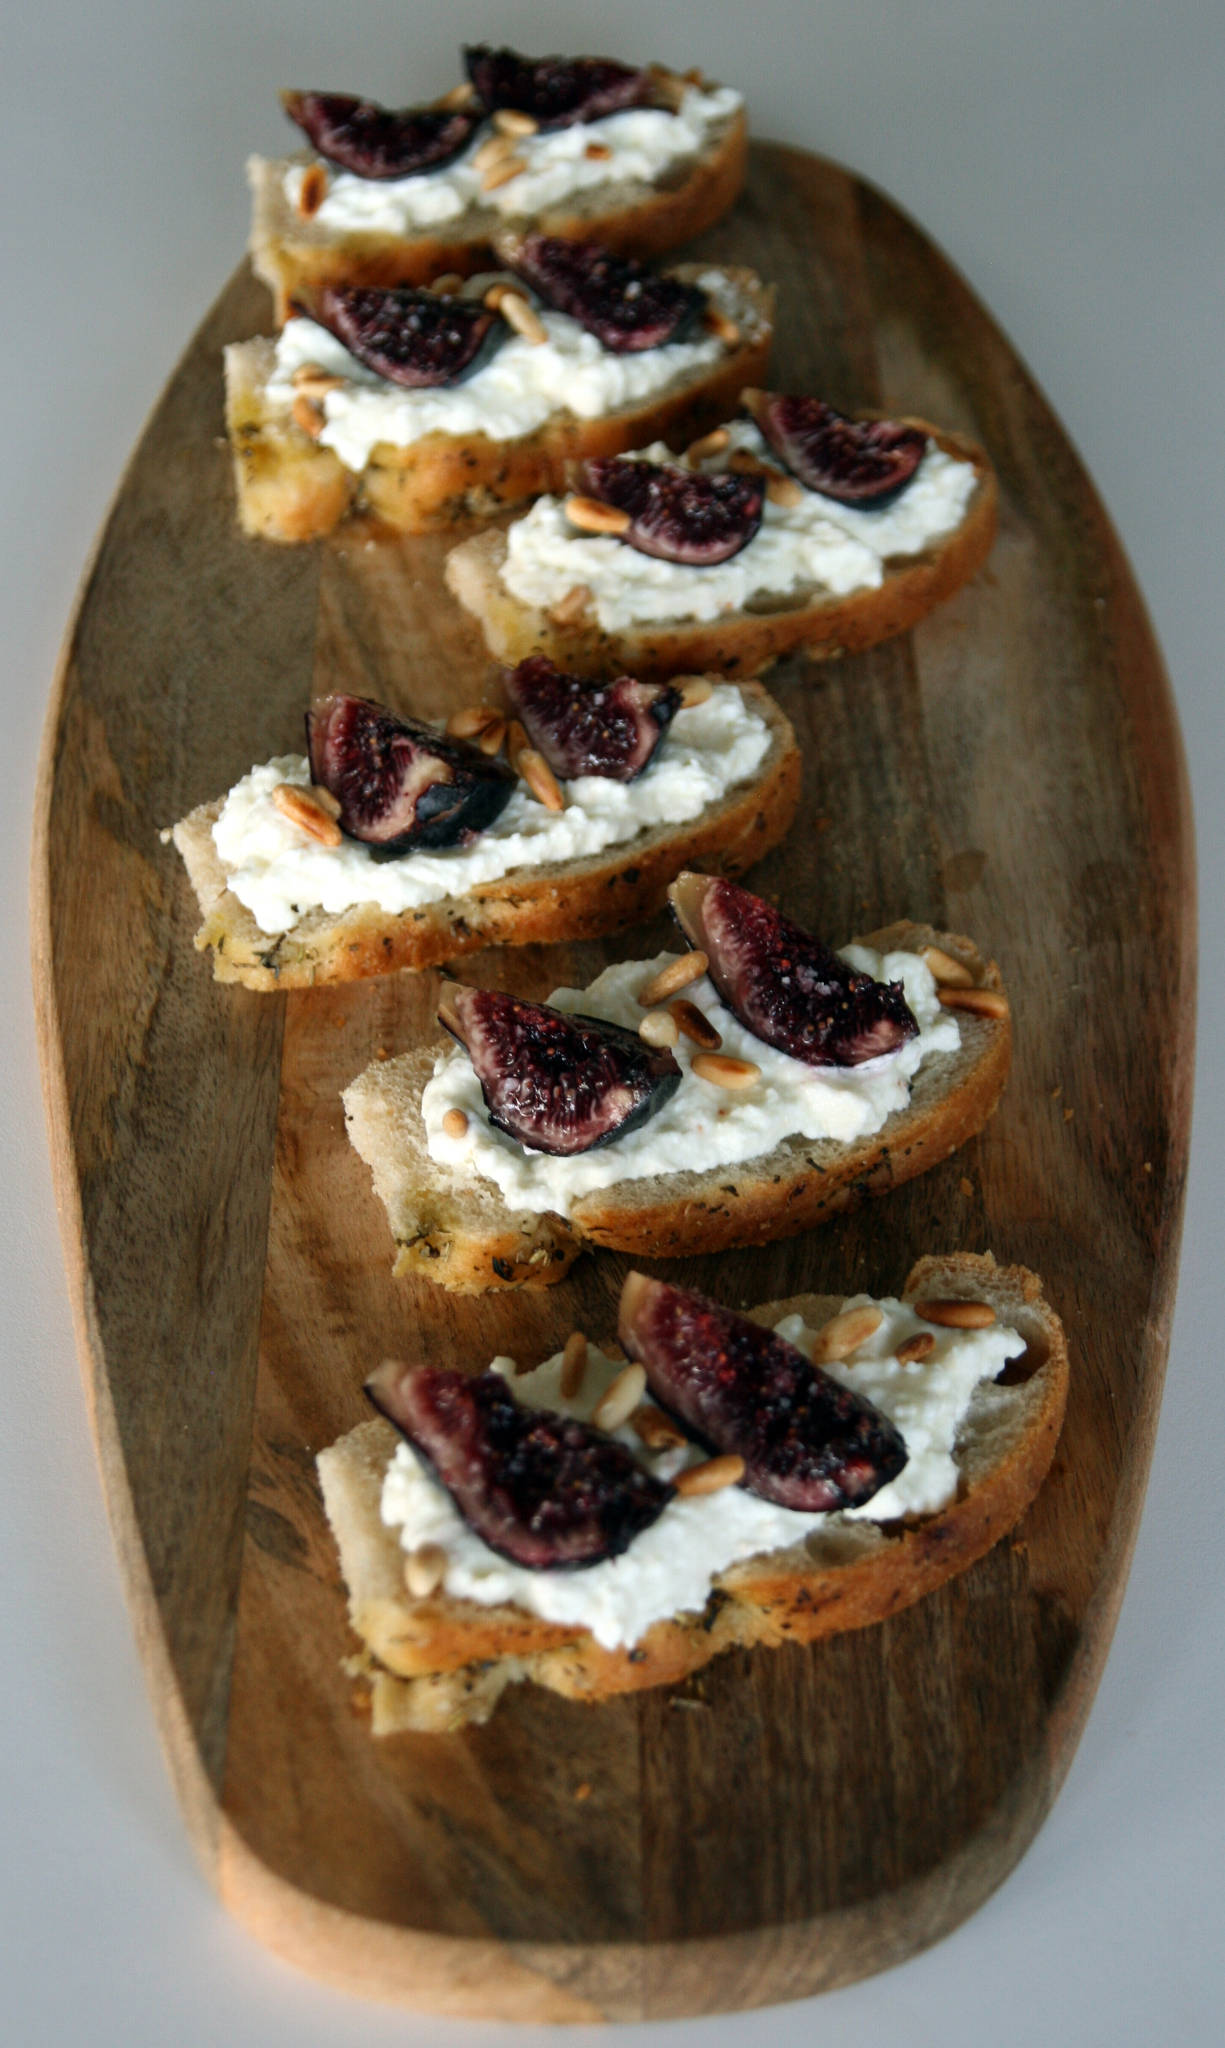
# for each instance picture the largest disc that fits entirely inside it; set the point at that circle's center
(701, 1126)
(798, 550)
(643, 144)
(669, 1568)
(280, 873)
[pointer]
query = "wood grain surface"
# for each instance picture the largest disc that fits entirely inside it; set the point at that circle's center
(788, 1820)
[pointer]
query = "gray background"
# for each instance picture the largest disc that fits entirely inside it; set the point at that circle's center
(1071, 165)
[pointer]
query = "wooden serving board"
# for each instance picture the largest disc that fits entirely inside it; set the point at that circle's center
(790, 1819)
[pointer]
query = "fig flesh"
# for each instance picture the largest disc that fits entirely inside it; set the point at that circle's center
(539, 1488)
(788, 987)
(679, 515)
(857, 462)
(626, 305)
(807, 1442)
(378, 142)
(410, 337)
(584, 728)
(556, 1083)
(400, 784)
(555, 91)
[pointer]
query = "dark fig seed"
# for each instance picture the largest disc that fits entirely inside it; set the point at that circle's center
(410, 337)
(807, 1442)
(787, 987)
(857, 462)
(400, 784)
(557, 1083)
(555, 91)
(679, 515)
(626, 305)
(539, 1488)
(377, 142)
(585, 728)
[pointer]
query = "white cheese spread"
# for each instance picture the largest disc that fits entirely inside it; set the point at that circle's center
(668, 1569)
(702, 1126)
(643, 143)
(522, 385)
(279, 872)
(798, 550)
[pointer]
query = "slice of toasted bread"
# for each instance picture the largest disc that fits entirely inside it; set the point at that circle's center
(437, 1662)
(295, 255)
(456, 1229)
(572, 899)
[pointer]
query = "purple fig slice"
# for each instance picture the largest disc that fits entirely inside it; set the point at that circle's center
(585, 728)
(400, 784)
(626, 305)
(410, 337)
(539, 1488)
(679, 515)
(787, 987)
(555, 91)
(806, 1441)
(858, 462)
(556, 1083)
(377, 142)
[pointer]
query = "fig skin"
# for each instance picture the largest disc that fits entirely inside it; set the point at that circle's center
(857, 462)
(679, 515)
(807, 1441)
(556, 1083)
(400, 784)
(556, 91)
(786, 986)
(626, 305)
(612, 730)
(541, 1489)
(410, 337)
(377, 142)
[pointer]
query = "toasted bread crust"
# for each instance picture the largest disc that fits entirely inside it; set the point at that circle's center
(743, 643)
(575, 899)
(856, 1575)
(470, 1247)
(296, 256)
(291, 489)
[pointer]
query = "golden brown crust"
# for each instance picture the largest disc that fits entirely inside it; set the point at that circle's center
(747, 642)
(852, 1577)
(290, 489)
(295, 256)
(578, 899)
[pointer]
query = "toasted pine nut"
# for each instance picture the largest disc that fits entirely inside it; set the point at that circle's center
(516, 741)
(471, 720)
(523, 317)
(314, 382)
(324, 800)
(509, 121)
(956, 1315)
(845, 1332)
(659, 1027)
(980, 1002)
(300, 807)
(745, 463)
(722, 1071)
(455, 1122)
(916, 1349)
(491, 152)
(446, 286)
(425, 1568)
(945, 971)
(540, 779)
(312, 191)
(710, 444)
(308, 415)
(590, 516)
(598, 152)
(694, 690)
(710, 1477)
(569, 609)
(619, 1401)
(722, 327)
(785, 491)
(461, 95)
(502, 173)
(678, 974)
(695, 1024)
(655, 1429)
(491, 739)
(573, 1365)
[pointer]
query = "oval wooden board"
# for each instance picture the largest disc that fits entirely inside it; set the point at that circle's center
(1013, 769)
